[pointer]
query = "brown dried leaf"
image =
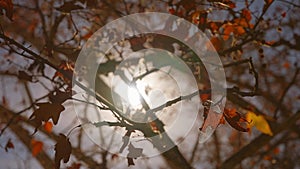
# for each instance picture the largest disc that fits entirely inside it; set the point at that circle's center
(63, 150)
(8, 6)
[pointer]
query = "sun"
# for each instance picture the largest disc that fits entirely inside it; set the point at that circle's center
(133, 97)
(134, 94)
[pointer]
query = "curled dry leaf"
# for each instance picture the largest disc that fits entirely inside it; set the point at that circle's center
(63, 150)
(235, 120)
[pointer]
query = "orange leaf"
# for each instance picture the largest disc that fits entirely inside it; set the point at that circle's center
(286, 65)
(276, 150)
(196, 17)
(247, 14)
(213, 26)
(204, 97)
(68, 68)
(228, 29)
(231, 4)
(48, 126)
(37, 147)
(154, 127)
(87, 35)
(239, 30)
(243, 22)
(267, 157)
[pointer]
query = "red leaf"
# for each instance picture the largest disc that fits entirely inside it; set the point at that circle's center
(9, 145)
(37, 147)
(8, 6)
(63, 150)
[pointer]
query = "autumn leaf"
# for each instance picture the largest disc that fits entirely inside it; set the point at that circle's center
(216, 43)
(7, 6)
(215, 26)
(228, 29)
(286, 65)
(63, 150)
(9, 145)
(45, 112)
(59, 96)
(133, 154)
(48, 126)
(247, 14)
(24, 76)
(259, 122)
(67, 7)
(37, 147)
(68, 68)
(235, 119)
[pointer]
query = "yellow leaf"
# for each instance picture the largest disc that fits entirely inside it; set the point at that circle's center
(259, 122)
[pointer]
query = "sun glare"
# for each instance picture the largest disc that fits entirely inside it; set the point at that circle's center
(133, 97)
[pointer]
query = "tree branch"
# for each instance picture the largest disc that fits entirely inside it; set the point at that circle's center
(259, 142)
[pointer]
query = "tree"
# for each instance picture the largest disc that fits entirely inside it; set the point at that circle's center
(51, 111)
